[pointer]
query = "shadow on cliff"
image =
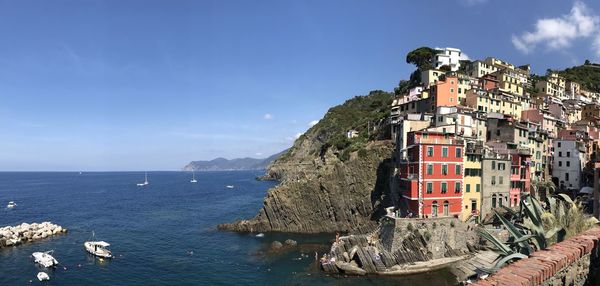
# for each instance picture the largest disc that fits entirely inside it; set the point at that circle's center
(380, 196)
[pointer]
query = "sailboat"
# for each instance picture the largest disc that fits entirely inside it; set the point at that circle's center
(145, 183)
(193, 178)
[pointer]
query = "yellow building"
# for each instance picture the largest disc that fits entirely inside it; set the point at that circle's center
(509, 81)
(430, 77)
(472, 179)
(489, 102)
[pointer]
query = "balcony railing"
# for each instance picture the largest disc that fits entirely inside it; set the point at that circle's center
(442, 141)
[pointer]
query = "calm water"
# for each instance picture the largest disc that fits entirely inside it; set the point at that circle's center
(162, 234)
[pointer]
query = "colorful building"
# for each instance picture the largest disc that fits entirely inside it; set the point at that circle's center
(472, 180)
(431, 174)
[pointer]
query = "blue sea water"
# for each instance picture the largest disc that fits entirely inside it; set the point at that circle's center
(161, 234)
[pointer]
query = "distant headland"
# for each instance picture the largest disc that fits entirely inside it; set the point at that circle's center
(238, 164)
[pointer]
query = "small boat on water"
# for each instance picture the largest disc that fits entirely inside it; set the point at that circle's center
(145, 183)
(42, 276)
(260, 235)
(229, 186)
(193, 178)
(11, 205)
(44, 259)
(97, 248)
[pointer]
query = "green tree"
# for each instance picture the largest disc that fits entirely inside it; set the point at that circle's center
(421, 57)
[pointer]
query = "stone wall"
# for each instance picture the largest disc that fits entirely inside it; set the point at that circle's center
(575, 261)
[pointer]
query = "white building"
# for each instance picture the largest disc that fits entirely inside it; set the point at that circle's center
(447, 57)
(568, 163)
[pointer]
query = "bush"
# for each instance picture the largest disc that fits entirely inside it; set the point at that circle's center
(451, 223)
(434, 225)
(362, 153)
(410, 227)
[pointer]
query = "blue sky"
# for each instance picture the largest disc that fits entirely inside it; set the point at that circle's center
(151, 85)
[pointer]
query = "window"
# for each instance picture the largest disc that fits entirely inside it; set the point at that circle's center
(468, 188)
(558, 144)
(445, 152)
(434, 209)
(446, 208)
(493, 180)
(493, 201)
(500, 180)
(457, 169)
(444, 187)
(567, 177)
(501, 166)
(451, 91)
(429, 169)
(430, 151)
(444, 169)
(560, 163)
(568, 154)
(559, 154)
(429, 187)
(493, 165)
(568, 163)
(478, 188)
(457, 187)
(458, 152)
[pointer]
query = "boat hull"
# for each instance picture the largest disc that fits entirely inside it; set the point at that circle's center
(102, 253)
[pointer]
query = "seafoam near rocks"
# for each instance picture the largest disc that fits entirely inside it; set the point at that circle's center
(15, 235)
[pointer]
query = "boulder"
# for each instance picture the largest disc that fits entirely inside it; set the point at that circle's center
(350, 269)
(290, 242)
(276, 245)
(346, 256)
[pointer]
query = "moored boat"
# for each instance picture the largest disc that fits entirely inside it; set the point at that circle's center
(98, 248)
(42, 276)
(44, 259)
(11, 205)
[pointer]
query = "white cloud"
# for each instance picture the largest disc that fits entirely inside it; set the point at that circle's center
(464, 57)
(313, 123)
(268, 116)
(258, 154)
(298, 135)
(559, 33)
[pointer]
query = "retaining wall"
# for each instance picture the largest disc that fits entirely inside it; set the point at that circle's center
(575, 261)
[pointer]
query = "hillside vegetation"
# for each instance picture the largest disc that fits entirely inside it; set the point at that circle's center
(588, 75)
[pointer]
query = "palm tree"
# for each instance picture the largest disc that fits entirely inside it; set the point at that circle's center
(543, 189)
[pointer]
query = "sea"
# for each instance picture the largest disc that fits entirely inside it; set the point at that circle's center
(161, 234)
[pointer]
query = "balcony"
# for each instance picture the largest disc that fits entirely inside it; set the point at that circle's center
(449, 141)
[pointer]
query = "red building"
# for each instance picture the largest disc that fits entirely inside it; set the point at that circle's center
(520, 175)
(431, 174)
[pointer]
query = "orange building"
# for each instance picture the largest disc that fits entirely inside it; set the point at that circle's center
(445, 92)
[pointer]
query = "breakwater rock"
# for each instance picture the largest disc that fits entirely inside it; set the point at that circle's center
(402, 246)
(25, 232)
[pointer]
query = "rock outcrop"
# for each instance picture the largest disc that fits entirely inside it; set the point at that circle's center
(325, 195)
(332, 180)
(25, 232)
(402, 246)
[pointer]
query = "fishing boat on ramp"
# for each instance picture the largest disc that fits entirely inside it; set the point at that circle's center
(44, 259)
(98, 248)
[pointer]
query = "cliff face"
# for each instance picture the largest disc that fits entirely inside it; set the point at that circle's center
(330, 183)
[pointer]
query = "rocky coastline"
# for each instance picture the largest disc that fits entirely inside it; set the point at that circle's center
(25, 232)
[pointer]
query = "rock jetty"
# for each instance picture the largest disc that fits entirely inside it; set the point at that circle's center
(25, 232)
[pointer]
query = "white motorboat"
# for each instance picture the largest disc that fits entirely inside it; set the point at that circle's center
(229, 186)
(42, 276)
(98, 248)
(193, 178)
(44, 259)
(11, 205)
(145, 183)
(260, 235)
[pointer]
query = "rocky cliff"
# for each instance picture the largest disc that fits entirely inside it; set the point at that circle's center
(328, 182)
